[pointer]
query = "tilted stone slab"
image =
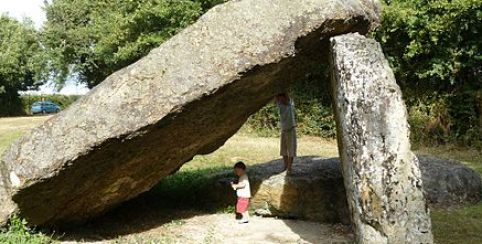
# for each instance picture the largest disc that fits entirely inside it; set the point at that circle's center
(184, 98)
(382, 176)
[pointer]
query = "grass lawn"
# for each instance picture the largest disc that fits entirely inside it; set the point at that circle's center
(463, 224)
(254, 150)
(458, 225)
(12, 128)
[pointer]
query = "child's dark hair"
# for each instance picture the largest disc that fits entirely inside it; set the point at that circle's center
(240, 165)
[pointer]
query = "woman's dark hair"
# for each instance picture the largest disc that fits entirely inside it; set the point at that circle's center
(240, 165)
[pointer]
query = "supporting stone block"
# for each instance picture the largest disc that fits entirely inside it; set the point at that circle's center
(381, 174)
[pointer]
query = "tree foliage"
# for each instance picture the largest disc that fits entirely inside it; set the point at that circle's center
(435, 48)
(22, 62)
(433, 43)
(94, 38)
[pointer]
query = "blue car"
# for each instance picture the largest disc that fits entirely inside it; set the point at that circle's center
(44, 107)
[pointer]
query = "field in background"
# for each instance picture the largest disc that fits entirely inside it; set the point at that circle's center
(13, 127)
(458, 225)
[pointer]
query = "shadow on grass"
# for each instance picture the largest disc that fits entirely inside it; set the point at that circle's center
(135, 216)
(205, 191)
(313, 191)
(175, 198)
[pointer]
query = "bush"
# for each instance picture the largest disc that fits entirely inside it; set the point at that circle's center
(434, 49)
(10, 104)
(430, 121)
(314, 114)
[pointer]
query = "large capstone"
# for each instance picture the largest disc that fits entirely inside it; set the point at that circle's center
(381, 174)
(186, 97)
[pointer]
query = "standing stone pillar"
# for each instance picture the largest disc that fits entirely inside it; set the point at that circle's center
(381, 174)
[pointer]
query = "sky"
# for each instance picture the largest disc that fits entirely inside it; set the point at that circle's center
(20, 9)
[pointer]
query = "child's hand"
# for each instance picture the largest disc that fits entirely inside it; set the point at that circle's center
(232, 186)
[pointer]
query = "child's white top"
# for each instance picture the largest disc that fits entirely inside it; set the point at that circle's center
(246, 190)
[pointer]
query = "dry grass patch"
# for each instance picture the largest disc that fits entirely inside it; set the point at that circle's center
(13, 128)
(256, 150)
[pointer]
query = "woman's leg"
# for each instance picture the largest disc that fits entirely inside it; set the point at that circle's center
(289, 164)
(286, 160)
(291, 149)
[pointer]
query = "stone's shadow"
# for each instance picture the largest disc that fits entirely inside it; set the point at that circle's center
(135, 216)
(314, 191)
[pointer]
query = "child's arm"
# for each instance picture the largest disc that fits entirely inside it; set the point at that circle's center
(240, 185)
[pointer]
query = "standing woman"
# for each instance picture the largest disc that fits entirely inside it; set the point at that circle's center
(288, 130)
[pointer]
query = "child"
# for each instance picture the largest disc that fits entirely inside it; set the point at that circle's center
(243, 192)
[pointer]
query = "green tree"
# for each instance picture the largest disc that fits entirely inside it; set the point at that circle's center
(432, 43)
(435, 48)
(93, 38)
(21, 63)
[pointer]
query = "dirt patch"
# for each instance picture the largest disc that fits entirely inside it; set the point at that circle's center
(146, 220)
(222, 228)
